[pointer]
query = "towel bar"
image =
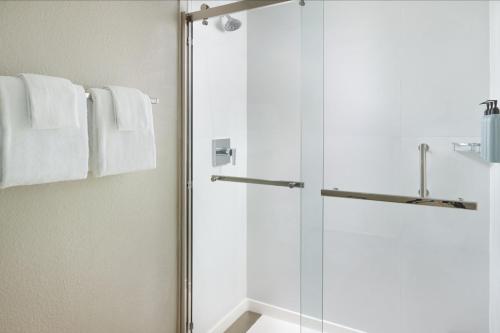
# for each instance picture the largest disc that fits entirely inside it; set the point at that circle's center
(459, 204)
(154, 100)
(284, 183)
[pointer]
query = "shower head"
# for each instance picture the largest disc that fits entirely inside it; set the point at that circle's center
(231, 24)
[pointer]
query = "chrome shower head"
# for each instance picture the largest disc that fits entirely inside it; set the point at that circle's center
(231, 24)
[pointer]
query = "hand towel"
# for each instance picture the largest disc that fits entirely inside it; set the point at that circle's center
(51, 101)
(130, 107)
(32, 156)
(114, 151)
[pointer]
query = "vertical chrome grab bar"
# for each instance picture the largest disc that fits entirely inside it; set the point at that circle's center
(423, 191)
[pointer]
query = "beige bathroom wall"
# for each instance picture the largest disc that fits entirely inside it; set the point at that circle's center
(97, 255)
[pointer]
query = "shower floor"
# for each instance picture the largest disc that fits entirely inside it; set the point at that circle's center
(266, 324)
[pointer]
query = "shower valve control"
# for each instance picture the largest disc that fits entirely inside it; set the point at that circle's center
(231, 152)
(222, 153)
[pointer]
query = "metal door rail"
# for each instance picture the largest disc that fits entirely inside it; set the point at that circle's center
(283, 183)
(459, 204)
(231, 8)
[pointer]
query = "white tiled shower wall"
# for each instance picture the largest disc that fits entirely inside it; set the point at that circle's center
(399, 74)
(274, 148)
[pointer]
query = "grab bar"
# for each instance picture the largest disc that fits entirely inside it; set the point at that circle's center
(283, 183)
(459, 204)
(423, 149)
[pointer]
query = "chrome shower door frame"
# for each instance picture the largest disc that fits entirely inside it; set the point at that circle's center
(185, 299)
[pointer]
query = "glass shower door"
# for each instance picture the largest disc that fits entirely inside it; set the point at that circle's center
(257, 169)
(403, 81)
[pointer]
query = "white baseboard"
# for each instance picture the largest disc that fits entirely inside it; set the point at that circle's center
(279, 313)
(297, 318)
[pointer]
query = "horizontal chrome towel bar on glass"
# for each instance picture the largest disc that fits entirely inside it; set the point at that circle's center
(283, 183)
(459, 204)
(154, 100)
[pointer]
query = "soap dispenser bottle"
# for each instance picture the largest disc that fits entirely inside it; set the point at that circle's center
(490, 132)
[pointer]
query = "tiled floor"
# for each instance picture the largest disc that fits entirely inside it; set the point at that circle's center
(267, 324)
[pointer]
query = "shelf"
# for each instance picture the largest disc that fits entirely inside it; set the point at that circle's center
(472, 147)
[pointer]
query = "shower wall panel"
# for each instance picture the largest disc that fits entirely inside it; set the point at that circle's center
(274, 150)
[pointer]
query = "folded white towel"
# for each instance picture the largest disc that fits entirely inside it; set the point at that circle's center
(131, 107)
(113, 151)
(51, 101)
(32, 156)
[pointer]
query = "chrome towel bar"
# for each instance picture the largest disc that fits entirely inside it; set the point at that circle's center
(283, 183)
(154, 100)
(459, 204)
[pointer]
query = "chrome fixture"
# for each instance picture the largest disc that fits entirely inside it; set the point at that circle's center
(422, 199)
(473, 147)
(258, 181)
(423, 191)
(222, 153)
(204, 7)
(459, 204)
(229, 23)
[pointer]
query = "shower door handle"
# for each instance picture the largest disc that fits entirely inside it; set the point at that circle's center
(257, 181)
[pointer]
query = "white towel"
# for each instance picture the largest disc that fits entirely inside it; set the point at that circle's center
(32, 156)
(113, 151)
(131, 107)
(51, 101)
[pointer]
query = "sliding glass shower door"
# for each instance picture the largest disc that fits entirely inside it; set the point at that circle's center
(257, 108)
(406, 247)
(343, 194)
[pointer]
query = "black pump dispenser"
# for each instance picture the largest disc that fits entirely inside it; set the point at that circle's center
(495, 108)
(491, 107)
(488, 107)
